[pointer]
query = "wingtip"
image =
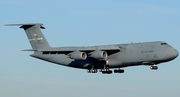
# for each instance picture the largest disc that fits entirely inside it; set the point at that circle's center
(30, 50)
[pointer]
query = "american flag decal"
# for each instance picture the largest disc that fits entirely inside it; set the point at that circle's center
(35, 34)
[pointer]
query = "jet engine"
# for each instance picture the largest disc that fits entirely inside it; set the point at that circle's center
(98, 54)
(77, 55)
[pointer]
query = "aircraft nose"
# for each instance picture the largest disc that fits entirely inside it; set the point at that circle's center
(174, 53)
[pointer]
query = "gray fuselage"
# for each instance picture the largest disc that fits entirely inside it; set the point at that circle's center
(133, 54)
(101, 57)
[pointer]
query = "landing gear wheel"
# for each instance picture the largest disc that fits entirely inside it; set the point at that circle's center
(119, 71)
(107, 72)
(115, 71)
(92, 70)
(154, 67)
(88, 71)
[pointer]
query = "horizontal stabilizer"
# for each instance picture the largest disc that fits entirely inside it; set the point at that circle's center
(26, 26)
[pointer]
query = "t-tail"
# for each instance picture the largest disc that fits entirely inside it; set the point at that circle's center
(35, 36)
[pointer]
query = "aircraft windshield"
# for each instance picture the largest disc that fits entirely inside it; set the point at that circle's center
(163, 43)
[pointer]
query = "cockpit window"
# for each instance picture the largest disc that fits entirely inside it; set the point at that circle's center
(163, 43)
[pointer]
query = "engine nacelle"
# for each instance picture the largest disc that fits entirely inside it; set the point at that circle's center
(78, 55)
(98, 54)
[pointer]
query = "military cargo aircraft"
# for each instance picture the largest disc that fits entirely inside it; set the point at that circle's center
(101, 58)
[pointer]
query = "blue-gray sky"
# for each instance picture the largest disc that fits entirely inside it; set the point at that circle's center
(84, 23)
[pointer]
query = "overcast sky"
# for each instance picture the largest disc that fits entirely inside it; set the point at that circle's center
(85, 23)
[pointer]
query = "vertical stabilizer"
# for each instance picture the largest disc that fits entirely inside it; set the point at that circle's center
(35, 36)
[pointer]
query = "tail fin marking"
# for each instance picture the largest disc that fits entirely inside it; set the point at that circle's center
(35, 36)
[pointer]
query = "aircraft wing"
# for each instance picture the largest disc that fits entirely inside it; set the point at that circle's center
(66, 50)
(109, 52)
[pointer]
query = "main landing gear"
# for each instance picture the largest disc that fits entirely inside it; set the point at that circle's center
(92, 70)
(119, 71)
(105, 71)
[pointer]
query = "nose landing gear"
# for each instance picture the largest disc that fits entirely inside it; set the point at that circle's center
(154, 67)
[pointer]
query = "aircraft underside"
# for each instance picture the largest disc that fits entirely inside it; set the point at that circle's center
(92, 65)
